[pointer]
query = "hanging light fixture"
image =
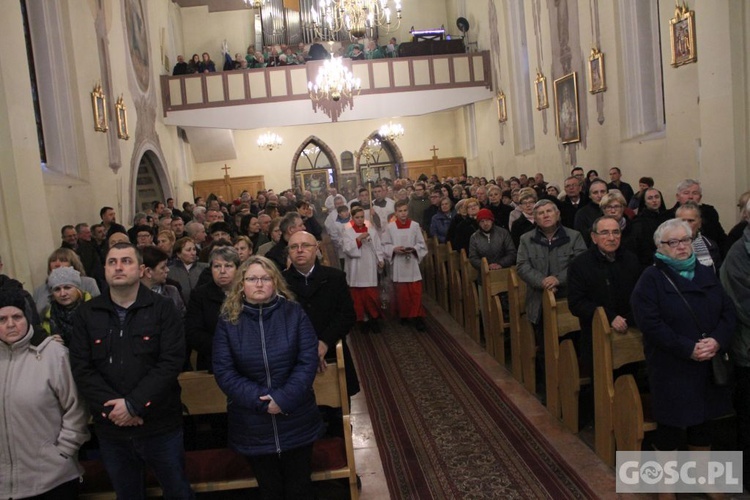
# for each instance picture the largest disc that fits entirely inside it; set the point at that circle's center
(369, 150)
(392, 131)
(355, 17)
(254, 4)
(334, 88)
(270, 141)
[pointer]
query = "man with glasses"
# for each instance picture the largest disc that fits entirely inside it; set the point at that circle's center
(324, 295)
(603, 276)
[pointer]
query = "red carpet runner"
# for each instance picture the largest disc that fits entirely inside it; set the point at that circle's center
(445, 430)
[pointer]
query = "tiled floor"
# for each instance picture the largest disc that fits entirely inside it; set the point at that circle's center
(600, 478)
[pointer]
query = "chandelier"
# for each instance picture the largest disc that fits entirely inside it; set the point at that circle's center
(369, 150)
(254, 4)
(270, 141)
(334, 88)
(354, 16)
(391, 132)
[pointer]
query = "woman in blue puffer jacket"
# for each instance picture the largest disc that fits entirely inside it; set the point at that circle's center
(265, 358)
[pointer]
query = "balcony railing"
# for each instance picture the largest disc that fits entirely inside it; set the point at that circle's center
(289, 83)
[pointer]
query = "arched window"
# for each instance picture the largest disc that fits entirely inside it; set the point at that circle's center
(377, 159)
(314, 167)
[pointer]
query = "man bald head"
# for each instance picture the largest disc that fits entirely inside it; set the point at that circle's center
(302, 249)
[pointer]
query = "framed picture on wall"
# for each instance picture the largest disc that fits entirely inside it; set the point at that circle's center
(597, 83)
(540, 89)
(122, 119)
(682, 36)
(99, 105)
(566, 108)
(502, 110)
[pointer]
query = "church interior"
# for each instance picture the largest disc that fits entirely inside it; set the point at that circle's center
(104, 122)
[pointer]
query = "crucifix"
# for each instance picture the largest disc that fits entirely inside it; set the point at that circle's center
(434, 151)
(226, 170)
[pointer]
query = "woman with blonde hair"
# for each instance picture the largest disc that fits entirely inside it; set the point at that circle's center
(265, 356)
(66, 295)
(63, 257)
(165, 242)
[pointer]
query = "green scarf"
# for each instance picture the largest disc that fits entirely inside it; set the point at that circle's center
(685, 268)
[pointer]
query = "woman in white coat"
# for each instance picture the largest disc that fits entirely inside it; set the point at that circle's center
(363, 256)
(43, 421)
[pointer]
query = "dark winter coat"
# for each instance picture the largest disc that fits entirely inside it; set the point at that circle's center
(682, 389)
(272, 350)
(200, 321)
(594, 281)
(325, 297)
(642, 231)
(138, 360)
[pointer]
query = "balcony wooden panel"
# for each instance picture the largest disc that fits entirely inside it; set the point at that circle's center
(421, 72)
(257, 84)
(442, 70)
(363, 73)
(194, 90)
(401, 76)
(175, 88)
(277, 79)
(382, 74)
(478, 64)
(461, 70)
(236, 87)
(215, 87)
(299, 82)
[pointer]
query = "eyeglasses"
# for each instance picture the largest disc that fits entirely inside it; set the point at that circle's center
(605, 233)
(259, 280)
(613, 207)
(675, 243)
(301, 246)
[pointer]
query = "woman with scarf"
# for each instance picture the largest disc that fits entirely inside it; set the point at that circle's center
(65, 296)
(686, 319)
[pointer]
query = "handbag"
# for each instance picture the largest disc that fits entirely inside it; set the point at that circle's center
(722, 367)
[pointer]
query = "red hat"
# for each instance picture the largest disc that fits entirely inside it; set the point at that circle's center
(485, 214)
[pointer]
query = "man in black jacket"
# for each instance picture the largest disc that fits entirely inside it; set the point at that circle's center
(324, 295)
(690, 190)
(586, 215)
(127, 349)
(604, 276)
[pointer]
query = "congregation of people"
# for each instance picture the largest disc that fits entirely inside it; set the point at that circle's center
(283, 55)
(245, 289)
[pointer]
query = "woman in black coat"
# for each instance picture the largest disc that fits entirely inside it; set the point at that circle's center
(205, 304)
(650, 214)
(680, 340)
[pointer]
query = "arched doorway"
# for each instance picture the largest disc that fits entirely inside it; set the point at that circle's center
(148, 182)
(314, 168)
(378, 159)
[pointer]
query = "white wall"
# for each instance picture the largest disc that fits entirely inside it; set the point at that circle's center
(421, 134)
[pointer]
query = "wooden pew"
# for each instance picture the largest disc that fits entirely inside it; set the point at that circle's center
(471, 298)
(620, 421)
(441, 274)
(562, 377)
(201, 395)
(494, 282)
(522, 342)
(428, 271)
(456, 284)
